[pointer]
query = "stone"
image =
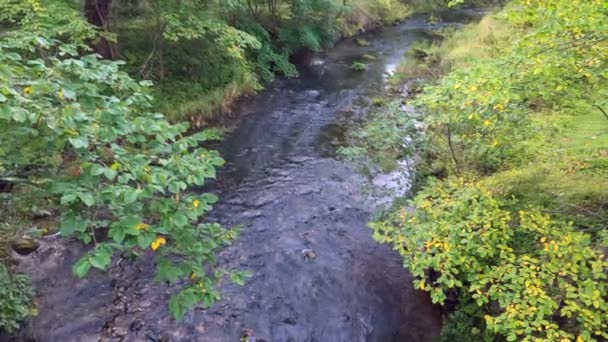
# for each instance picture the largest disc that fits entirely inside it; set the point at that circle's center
(25, 246)
(309, 254)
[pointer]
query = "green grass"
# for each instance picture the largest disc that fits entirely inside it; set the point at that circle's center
(568, 173)
(189, 101)
(587, 133)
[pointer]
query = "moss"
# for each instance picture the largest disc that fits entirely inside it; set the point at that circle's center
(378, 101)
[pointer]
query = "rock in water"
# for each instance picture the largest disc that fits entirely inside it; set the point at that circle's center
(25, 246)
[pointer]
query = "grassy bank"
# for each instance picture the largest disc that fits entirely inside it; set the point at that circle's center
(199, 78)
(510, 232)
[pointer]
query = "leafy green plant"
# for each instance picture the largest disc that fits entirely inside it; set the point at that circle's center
(15, 299)
(532, 276)
(391, 134)
(81, 134)
(358, 66)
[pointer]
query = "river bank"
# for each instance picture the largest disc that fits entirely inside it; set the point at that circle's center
(508, 228)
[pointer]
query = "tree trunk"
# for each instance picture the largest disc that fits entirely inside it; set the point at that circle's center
(97, 13)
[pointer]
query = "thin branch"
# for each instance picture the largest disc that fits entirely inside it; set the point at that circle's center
(602, 110)
(452, 149)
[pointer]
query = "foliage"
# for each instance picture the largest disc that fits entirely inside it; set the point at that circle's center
(15, 299)
(462, 326)
(80, 134)
(533, 276)
(390, 135)
(512, 236)
(390, 11)
(493, 97)
(34, 18)
(226, 49)
(311, 25)
(358, 66)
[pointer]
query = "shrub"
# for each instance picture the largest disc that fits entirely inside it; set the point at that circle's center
(15, 299)
(533, 277)
(80, 133)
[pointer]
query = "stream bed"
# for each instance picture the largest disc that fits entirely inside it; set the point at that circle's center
(317, 273)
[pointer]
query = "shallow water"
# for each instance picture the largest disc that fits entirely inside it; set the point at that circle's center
(318, 275)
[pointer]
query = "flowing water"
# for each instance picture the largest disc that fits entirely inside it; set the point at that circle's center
(317, 273)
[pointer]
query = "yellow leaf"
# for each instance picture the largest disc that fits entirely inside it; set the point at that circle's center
(157, 243)
(142, 226)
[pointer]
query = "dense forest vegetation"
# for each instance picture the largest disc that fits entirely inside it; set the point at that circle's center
(509, 142)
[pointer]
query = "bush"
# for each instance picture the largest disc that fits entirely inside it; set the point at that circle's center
(15, 299)
(515, 127)
(80, 134)
(532, 276)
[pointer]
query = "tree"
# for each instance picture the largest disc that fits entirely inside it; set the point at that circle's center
(79, 137)
(97, 13)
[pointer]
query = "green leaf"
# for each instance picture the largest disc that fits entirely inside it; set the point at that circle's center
(117, 233)
(82, 266)
(68, 198)
(101, 257)
(19, 114)
(5, 112)
(69, 94)
(73, 223)
(166, 270)
(79, 142)
(110, 173)
(130, 196)
(179, 219)
(97, 170)
(87, 199)
(144, 240)
(99, 261)
(177, 308)
(209, 198)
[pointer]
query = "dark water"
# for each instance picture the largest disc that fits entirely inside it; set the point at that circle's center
(318, 275)
(295, 117)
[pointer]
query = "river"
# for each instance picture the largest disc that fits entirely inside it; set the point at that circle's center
(317, 273)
